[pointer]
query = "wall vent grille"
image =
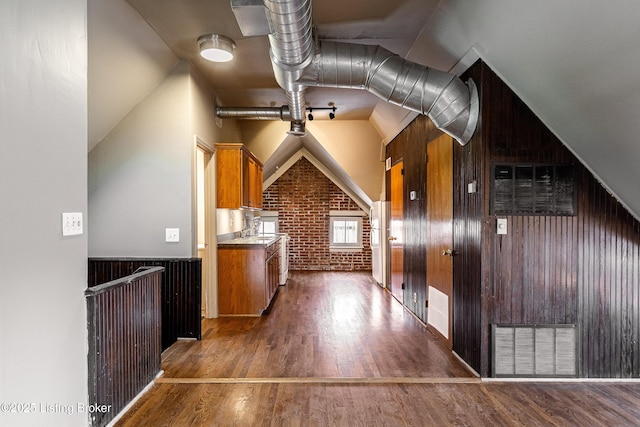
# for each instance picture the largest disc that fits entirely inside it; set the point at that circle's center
(534, 350)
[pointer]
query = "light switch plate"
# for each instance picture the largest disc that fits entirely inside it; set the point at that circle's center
(71, 223)
(501, 226)
(172, 235)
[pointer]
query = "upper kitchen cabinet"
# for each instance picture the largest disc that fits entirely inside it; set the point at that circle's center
(238, 177)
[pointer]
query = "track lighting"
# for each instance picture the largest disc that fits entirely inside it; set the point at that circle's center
(332, 113)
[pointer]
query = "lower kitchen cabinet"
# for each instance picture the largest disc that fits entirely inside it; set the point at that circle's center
(248, 277)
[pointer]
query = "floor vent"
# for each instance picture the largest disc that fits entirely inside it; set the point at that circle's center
(534, 351)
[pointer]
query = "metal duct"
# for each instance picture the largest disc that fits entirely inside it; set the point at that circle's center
(291, 51)
(254, 113)
(449, 103)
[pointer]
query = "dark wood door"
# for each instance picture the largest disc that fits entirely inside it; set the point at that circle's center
(440, 253)
(396, 232)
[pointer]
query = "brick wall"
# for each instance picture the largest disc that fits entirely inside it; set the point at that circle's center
(270, 198)
(303, 197)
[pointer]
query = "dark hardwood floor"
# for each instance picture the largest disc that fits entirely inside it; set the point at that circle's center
(337, 349)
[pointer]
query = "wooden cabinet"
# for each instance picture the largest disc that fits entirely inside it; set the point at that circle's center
(251, 182)
(247, 278)
(272, 269)
(238, 177)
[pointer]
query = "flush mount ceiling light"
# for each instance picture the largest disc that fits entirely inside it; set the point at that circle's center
(216, 48)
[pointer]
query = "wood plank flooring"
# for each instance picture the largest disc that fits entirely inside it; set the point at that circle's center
(338, 350)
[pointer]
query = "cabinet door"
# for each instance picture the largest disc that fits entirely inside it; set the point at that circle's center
(241, 281)
(228, 173)
(253, 185)
(239, 178)
(273, 275)
(256, 188)
(247, 179)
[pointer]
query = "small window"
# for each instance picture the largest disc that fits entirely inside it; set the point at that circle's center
(345, 231)
(268, 223)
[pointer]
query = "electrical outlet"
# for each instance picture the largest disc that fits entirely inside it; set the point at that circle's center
(172, 235)
(71, 223)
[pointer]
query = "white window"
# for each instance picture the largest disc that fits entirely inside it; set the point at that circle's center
(268, 222)
(345, 230)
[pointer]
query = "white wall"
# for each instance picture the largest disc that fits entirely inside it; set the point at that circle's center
(127, 59)
(43, 154)
(140, 177)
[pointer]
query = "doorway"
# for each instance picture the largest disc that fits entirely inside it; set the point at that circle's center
(440, 252)
(396, 232)
(205, 238)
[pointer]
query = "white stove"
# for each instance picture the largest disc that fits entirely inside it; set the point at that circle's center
(284, 258)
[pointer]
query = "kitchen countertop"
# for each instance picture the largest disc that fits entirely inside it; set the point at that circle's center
(258, 241)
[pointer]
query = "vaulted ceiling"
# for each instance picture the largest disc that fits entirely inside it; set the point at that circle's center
(575, 63)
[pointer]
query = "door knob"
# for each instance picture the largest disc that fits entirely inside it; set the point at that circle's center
(392, 238)
(449, 252)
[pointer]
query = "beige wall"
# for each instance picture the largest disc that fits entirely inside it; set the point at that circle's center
(262, 138)
(354, 144)
(358, 149)
(203, 114)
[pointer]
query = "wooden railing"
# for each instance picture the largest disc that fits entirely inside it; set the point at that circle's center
(125, 340)
(181, 291)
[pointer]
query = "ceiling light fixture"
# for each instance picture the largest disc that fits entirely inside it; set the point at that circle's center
(216, 48)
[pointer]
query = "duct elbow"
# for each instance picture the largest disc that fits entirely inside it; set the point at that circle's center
(443, 97)
(456, 112)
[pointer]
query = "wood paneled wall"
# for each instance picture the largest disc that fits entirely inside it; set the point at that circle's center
(468, 220)
(582, 269)
(410, 146)
(181, 291)
(608, 279)
(124, 334)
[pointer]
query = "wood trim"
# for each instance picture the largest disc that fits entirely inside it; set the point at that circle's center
(308, 380)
